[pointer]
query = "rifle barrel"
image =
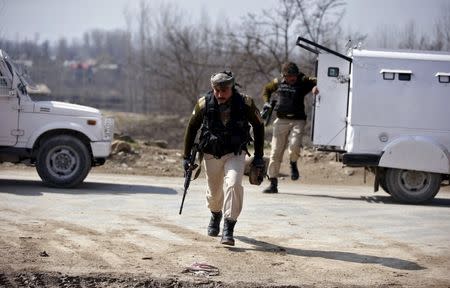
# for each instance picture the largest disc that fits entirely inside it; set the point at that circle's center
(188, 175)
(187, 181)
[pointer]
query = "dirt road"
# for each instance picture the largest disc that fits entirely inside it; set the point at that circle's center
(125, 231)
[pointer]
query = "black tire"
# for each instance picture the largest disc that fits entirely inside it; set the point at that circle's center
(382, 180)
(383, 183)
(63, 161)
(412, 187)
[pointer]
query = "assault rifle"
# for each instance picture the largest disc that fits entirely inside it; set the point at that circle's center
(188, 173)
(266, 113)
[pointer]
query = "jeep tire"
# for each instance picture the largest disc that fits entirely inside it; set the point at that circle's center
(63, 161)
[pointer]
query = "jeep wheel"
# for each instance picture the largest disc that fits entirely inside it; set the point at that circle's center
(413, 187)
(63, 161)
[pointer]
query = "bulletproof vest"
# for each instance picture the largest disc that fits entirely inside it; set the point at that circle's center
(290, 101)
(217, 138)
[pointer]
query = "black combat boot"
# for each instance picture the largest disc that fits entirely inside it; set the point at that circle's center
(273, 188)
(214, 223)
(227, 233)
(294, 170)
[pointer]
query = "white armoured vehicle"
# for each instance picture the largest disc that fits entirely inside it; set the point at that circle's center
(62, 140)
(389, 111)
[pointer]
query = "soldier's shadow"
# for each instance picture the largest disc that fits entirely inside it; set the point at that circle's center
(333, 255)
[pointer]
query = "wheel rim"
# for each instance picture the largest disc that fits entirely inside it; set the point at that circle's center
(62, 161)
(415, 182)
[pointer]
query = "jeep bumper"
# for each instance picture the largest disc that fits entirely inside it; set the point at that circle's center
(101, 149)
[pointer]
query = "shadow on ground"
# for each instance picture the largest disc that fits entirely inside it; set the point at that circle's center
(37, 188)
(332, 255)
(377, 199)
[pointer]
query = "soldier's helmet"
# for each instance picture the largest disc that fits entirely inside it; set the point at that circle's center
(289, 69)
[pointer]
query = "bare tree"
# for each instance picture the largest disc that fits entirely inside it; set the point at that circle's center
(409, 37)
(144, 40)
(62, 49)
(384, 37)
(442, 29)
(131, 90)
(320, 20)
(185, 56)
(269, 39)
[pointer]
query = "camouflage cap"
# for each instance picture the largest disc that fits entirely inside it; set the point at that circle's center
(289, 68)
(222, 79)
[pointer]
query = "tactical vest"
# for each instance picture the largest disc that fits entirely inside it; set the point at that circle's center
(219, 139)
(290, 101)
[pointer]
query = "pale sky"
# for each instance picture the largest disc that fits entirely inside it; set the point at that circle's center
(53, 19)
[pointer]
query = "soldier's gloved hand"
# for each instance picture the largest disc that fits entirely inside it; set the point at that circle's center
(258, 162)
(257, 171)
(265, 110)
(186, 164)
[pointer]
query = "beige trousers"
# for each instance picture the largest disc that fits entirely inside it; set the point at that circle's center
(224, 190)
(286, 133)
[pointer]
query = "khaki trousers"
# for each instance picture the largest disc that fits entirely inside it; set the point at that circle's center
(286, 133)
(224, 178)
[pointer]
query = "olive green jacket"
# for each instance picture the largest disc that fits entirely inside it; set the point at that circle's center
(306, 84)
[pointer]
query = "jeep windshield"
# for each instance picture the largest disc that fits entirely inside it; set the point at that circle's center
(19, 70)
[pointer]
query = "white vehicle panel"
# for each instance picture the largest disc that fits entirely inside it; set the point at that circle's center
(330, 108)
(9, 123)
(421, 103)
(35, 126)
(101, 149)
(416, 153)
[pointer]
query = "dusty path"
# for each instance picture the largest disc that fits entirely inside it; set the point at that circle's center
(125, 231)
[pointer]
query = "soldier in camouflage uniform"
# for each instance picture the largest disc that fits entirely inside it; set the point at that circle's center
(223, 118)
(289, 93)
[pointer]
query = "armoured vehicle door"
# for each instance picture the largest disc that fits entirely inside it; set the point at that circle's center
(330, 106)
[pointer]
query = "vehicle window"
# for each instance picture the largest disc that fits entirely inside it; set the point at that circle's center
(388, 76)
(3, 80)
(444, 79)
(333, 72)
(404, 76)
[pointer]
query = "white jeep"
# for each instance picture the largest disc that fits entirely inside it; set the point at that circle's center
(62, 140)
